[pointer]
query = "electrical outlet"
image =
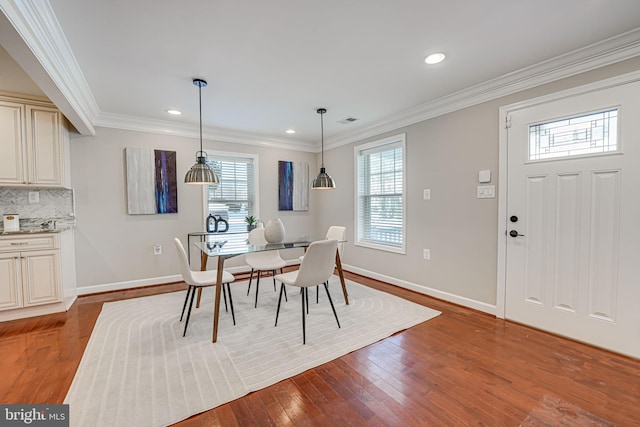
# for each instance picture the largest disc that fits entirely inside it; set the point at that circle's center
(426, 254)
(157, 249)
(34, 197)
(426, 194)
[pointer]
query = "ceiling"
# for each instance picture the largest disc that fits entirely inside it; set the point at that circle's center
(271, 64)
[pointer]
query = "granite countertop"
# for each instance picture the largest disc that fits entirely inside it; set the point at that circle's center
(40, 230)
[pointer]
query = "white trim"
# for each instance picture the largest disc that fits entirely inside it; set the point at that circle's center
(118, 286)
(401, 140)
(503, 166)
(44, 53)
(39, 28)
(445, 296)
(168, 127)
(597, 55)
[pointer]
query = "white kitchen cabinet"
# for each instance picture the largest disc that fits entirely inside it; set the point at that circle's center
(33, 144)
(30, 271)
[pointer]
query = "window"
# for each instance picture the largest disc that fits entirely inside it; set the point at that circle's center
(235, 196)
(380, 183)
(593, 133)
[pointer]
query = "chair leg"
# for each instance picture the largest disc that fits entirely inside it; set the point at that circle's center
(326, 288)
(224, 295)
(279, 301)
(273, 274)
(317, 294)
(250, 279)
(185, 301)
(189, 312)
(233, 314)
(257, 288)
(304, 332)
(285, 295)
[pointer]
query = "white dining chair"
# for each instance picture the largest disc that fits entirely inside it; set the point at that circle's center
(200, 279)
(262, 261)
(339, 233)
(316, 269)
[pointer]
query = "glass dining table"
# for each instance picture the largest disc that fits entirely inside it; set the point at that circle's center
(229, 245)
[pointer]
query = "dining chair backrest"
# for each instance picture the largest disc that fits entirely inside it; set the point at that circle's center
(256, 237)
(185, 270)
(337, 232)
(318, 263)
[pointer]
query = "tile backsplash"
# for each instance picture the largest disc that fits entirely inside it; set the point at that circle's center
(53, 204)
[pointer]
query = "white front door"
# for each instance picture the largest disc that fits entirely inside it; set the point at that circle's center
(573, 223)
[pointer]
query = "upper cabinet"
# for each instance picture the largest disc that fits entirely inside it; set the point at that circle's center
(33, 144)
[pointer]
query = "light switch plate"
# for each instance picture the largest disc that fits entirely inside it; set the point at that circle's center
(484, 176)
(486, 192)
(34, 197)
(426, 194)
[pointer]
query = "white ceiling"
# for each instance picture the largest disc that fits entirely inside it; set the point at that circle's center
(271, 64)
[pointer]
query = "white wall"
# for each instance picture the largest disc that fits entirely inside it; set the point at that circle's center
(114, 248)
(445, 155)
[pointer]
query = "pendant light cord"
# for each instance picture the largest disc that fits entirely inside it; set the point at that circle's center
(200, 103)
(322, 138)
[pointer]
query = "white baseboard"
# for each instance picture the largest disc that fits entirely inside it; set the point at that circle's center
(446, 296)
(118, 286)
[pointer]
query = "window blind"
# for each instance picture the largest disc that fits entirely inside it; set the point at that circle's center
(380, 190)
(235, 195)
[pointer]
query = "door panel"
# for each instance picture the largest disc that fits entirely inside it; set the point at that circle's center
(573, 266)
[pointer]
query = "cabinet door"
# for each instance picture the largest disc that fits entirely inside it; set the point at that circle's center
(44, 146)
(10, 281)
(12, 162)
(41, 277)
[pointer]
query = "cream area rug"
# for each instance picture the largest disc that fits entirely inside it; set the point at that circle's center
(138, 369)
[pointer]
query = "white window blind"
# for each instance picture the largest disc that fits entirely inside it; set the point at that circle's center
(235, 195)
(380, 188)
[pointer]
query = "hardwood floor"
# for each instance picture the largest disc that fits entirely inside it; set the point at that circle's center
(461, 368)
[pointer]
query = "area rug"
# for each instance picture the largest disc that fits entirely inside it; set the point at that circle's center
(138, 369)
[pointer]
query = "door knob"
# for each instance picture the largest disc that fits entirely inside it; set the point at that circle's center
(514, 233)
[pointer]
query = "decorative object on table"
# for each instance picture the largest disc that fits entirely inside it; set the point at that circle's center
(322, 181)
(251, 222)
(293, 186)
(274, 231)
(201, 172)
(152, 186)
(11, 222)
(217, 223)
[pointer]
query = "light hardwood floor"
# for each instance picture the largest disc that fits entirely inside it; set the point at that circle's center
(462, 368)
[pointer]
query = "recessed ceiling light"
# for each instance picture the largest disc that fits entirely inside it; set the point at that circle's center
(290, 131)
(174, 112)
(434, 58)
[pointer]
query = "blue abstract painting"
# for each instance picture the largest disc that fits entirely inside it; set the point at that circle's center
(152, 186)
(293, 186)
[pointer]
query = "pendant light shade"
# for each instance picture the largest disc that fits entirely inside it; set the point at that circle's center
(322, 181)
(201, 172)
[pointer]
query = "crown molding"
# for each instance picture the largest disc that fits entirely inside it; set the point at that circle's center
(165, 127)
(44, 53)
(37, 25)
(606, 52)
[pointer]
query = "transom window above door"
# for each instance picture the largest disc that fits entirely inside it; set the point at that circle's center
(587, 134)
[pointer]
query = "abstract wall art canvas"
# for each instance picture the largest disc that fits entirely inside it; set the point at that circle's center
(152, 186)
(293, 186)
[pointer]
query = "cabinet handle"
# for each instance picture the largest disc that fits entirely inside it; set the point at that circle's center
(19, 244)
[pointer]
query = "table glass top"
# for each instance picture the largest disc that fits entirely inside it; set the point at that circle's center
(237, 244)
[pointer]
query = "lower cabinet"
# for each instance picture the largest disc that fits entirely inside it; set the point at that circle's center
(29, 277)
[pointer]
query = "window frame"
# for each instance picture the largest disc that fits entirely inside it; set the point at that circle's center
(358, 241)
(212, 155)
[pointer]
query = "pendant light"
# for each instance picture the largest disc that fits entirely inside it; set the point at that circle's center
(322, 181)
(201, 172)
